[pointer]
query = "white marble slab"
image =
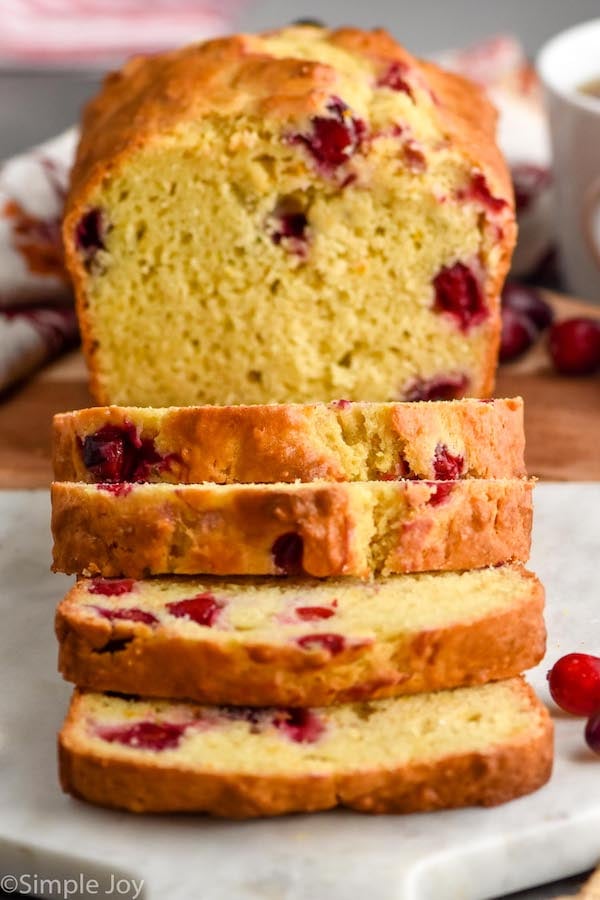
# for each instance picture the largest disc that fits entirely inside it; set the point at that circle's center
(461, 855)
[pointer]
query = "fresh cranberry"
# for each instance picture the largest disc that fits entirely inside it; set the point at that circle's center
(574, 683)
(517, 336)
(111, 587)
(458, 294)
(528, 181)
(287, 551)
(528, 302)
(203, 609)
(144, 735)
(395, 79)
(119, 489)
(441, 490)
(90, 233)
(301, 725)
(479, 191)
(334, 643)
(116, 453)
(312, 613)
(446, 465)
(127, 615)
(575, 346)
(592, 732)
(440, 387)
(334, 138)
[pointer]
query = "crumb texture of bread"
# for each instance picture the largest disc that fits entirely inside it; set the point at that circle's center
(300, 642)
(339, 441)
(481, 745)
(294, 216)
(318, 529)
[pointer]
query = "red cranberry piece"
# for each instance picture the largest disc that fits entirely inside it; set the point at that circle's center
(145, 735)
(341, 404)
(203, 609)
(111, 587)
(395, 79)
(574, 683)
(107, 452)
(121, 489)
(334, 138)
(447, 466)
(517, 336)
(527, 302)
(458, 294)
(479, 191)
(440, 493)
(116, 453)
(575, 346)
(400, 471)
(290, 225)
(90, 232)
(301, 725)
(592, 732)
(312, 613)
(287, 551)
(528, 181)
(334, 643)
(440, 387)
(127, 615)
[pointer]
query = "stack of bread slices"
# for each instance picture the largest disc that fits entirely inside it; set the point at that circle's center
(291, 607)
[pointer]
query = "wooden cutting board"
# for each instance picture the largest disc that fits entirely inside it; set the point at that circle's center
(562, 415)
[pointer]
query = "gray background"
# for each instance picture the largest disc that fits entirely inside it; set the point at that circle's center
(36, 105)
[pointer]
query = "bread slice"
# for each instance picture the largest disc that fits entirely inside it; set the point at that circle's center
(298, 215)
(262, 642)
(318, 529)
(338, 441)
(470, 746)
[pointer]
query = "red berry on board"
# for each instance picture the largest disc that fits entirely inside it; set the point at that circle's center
(574, 683)
(517, 336)
(575, 346)
(592, 732)
(528, 302)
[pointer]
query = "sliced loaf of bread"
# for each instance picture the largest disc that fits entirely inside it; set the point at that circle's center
(478, 745)
(318, 529)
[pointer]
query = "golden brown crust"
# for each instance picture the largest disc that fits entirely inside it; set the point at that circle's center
(131, 658)
(346, 529)
(286, 443)
(151, 96)
(501, 773)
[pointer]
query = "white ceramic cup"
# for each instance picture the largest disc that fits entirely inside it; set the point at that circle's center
(565, 63)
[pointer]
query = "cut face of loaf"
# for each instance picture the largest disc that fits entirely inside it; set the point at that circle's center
(300, 215)
(300, 642)
(316, 529)
(340, 441)
(478, 745)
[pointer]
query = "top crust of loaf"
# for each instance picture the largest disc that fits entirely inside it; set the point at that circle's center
(235, 75)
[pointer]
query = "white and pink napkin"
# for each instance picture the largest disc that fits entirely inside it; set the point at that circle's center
(36, 317)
